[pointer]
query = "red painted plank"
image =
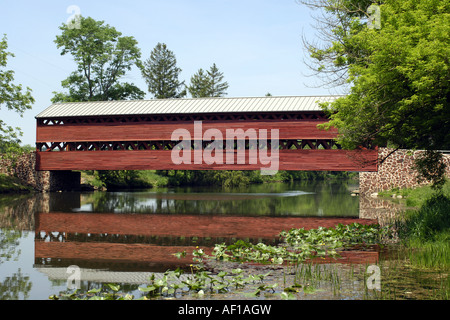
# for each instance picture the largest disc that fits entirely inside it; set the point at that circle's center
(301, 129)
(216, 227)
(308, 160)
(132, 254)
(182, 225)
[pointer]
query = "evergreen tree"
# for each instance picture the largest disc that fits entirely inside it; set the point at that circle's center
(161, 73)
(218, 87)
(208, 84)
(200, 86)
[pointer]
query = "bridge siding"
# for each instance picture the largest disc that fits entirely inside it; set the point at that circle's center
(305, 129)
(219, 228)
(296, 160)
(180, 225)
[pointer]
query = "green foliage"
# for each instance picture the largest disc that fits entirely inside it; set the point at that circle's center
(431, 168)
(123, 179)
(126, 179)
(236, 178)
(208, 84)
(416, 197)
(9, 140)
(340, 236)
(174, 284)
(218, 87)
(298, 245)
(428, 222)
(400, 86)
(426, 232)
(398, 75)
(12, 185)
(103, 57)
(433, 254)
(161, 73)
(222, 178)
(13, 97)
(336, 25)
(90, 178)
(200, 85)
(109, 291)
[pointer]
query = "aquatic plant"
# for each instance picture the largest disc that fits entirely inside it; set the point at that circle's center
(298, 245)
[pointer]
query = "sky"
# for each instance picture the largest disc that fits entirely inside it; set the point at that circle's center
(256, 44)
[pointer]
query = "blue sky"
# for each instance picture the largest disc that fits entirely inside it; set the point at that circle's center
(256, 44)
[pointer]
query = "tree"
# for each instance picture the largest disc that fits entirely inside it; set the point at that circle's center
(200, 86)
(398, 76)
(14, 98)
(161, 73)
(103, 57)
(332, 51)
(208, 84)
(218, 87)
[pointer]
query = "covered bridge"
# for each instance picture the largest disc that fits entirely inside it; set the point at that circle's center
(225, 134)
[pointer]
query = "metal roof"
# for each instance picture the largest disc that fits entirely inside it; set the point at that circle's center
(183, 106)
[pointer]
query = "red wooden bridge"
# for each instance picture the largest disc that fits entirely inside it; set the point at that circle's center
(146, 134)
(149, 241)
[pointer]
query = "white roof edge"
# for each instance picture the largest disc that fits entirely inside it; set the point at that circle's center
(197, 105)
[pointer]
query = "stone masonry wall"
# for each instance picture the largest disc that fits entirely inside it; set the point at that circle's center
(396, 171)
(24, 166)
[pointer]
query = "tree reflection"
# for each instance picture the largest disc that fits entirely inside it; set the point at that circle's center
(307, 198)
(15, 287)
(9, 242)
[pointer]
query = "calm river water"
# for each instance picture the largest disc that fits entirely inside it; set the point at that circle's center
(123, 237)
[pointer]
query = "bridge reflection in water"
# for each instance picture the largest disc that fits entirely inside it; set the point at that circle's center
(126, 237)
(147, 242)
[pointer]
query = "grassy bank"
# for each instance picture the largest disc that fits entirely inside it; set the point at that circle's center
(425, 231)
(415, 197)
(12, 185)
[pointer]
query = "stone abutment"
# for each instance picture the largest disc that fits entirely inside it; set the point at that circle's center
(397, 171)
(24, 168)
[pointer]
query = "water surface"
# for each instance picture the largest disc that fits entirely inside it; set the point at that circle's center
(125, 236)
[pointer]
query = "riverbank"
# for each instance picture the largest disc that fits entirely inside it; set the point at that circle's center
(414, 197)
(425, 231)
(10, 184)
